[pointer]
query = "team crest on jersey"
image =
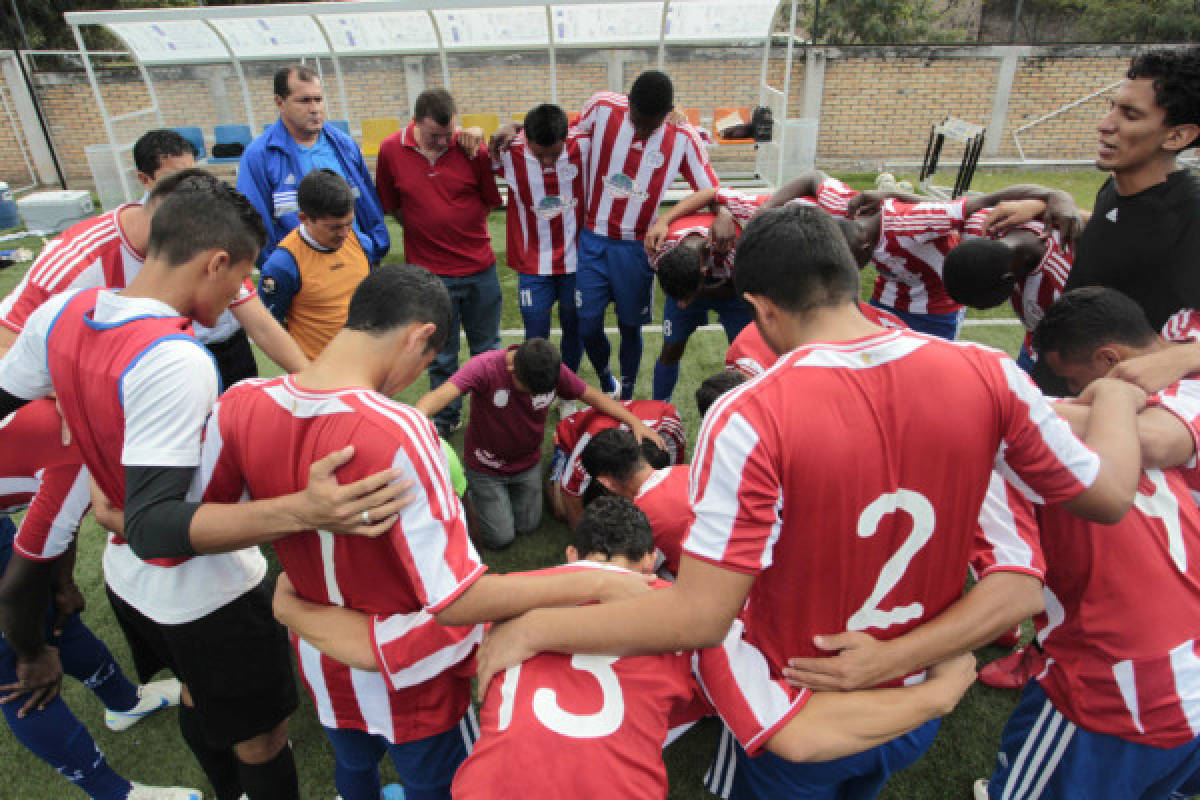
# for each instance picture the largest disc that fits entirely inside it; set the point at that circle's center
(570, 172)
(541, 401)
(1111, 215)
(621, 185)
(655, 159)
(500, 398)
(290, 178)
(553, 205)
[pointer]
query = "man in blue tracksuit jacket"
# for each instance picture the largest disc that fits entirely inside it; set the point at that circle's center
(298, 142)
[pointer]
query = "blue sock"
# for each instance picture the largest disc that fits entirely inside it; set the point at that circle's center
(55, 736)
(87, 659)
(665, 378)
(630, 356)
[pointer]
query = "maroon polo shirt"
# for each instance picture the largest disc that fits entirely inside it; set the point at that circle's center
(444, 205)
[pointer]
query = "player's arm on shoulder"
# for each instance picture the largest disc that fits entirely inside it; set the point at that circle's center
(695, 201)
(1156, 371)
(266, 332)
(279, 283)
(805, 185)
(1112, 433)
(838, 724)
(343, 634)
(1167, 441)
(607, 405)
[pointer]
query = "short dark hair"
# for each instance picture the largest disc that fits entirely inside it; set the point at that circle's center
(1090, 317)
(323, 193)
(435, 104)
(796, 257)
(201, 213)
(155, 145)
(716, 385)
(194, 177)
(652, 94)
(979, 272)
(594, 490)
(614, 526)
(654, 455)
(537, 364)
(546, 125)
(395, 295)
(612, 453)
(1176, 77)
(681, 268)
(303, 75)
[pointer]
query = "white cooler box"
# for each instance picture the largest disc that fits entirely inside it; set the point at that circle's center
(55, 211)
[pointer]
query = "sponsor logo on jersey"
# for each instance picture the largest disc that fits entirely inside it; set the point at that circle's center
(621, 185)
(553, 205)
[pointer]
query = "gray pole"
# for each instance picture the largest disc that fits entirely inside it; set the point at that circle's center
(1012, 34)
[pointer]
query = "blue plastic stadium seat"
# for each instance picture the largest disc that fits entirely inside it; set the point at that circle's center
(340, 124)
(196, 136)
(231, 134)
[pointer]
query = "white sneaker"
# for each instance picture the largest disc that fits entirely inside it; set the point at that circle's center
(152, 697)
(981, 792)
(567, 407)
(140, 792)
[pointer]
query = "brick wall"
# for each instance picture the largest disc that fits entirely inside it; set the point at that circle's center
(877, 103)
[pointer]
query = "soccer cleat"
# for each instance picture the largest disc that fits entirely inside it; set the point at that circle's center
(1014, 670)
(1009, 639)
(980, 788)
(153, 696)
(140, 792)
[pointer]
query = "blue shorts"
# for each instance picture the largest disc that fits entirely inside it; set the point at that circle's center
(425, 764)
(614, 271)
(680, 323)
(857, 777)
(538, 293)
(1025, 360)
(1045, 755)
(945, 326)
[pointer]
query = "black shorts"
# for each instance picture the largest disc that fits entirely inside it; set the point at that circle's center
(235, 359)
(235, 662)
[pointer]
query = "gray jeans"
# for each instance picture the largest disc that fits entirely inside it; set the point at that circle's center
(506, 504)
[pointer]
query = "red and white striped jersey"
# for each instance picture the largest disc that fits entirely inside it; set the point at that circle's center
(628, 177)
(1183, 326)
(913, 241)
(261, 440)
(1036, 292)
(769, 486)
(545, 206)
(38, 472)
(94, 252)
(574, 432)
(1006, 539)
(598, 723)
(1122, 615)
(749, 354)
(663, 498)
(719, 267)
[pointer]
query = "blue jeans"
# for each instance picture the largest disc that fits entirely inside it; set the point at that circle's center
(506, 504)
(475, 300)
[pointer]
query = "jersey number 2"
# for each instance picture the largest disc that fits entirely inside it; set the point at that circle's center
(602, 723)
(923, 518)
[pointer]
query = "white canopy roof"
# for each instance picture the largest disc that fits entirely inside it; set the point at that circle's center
(221, 33)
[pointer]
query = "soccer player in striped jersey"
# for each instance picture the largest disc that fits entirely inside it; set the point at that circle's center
(422, 565)
(1113, 708)
(545, 170)
(771, 478)
(1025, 265)
(184, 579)
(568, 480)
(109, 250)
(636, 154)
(43, 634)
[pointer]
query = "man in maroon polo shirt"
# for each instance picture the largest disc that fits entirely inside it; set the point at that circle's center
(442, 196)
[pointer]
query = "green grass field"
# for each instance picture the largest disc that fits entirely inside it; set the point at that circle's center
(152, 752)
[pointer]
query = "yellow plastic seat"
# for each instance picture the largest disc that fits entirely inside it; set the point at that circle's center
(490, 123)
(374, 131)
